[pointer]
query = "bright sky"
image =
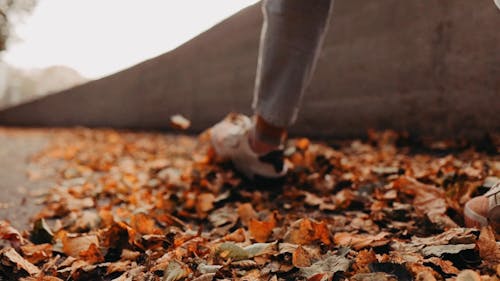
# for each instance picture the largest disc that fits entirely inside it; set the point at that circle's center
(100, 37)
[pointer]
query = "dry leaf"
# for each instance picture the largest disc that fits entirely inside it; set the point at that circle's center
(305, 231)
(360, 241)
(489, 249)
(74, 244)
(12, 258)
(261, 230)
(301, 257)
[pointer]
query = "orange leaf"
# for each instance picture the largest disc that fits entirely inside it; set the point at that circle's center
(261, 230)
(92, 255)
(143, 224)
(305, 231)
(246, 213)
(301, 257)
(303, 143)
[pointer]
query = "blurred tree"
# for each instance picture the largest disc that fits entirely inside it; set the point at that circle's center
(11, 11)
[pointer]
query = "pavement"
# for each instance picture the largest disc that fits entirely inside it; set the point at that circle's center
(18, 192)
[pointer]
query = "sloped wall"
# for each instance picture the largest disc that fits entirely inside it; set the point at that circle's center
(428, 67)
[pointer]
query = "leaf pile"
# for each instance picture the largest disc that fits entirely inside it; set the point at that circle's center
(134, 206)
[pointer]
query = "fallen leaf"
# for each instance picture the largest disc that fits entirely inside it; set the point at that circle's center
(301, 258)
(10, 257)
(360, 241)
(261, 230)
(74, 244)
(305, 231)
(36, 253)
(232, 251)
(329, 265)
(489, 249)
(143, 224)
(468, 275)
(92, 255)
(246, 213)
(205, 202)
(438, 251)
(260, 249)
(7, 232)
(395, 269)
(175, 271)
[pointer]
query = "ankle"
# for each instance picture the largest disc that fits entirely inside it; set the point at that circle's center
(266, 137)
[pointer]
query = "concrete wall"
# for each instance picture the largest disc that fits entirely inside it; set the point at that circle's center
(428, 67)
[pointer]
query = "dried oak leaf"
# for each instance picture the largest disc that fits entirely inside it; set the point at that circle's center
(305, 231)
(261, 230)
(10, 257)
(489, 249)
(360, 241)
(328, 265)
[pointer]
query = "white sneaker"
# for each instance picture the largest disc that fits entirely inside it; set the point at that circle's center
(230, 141)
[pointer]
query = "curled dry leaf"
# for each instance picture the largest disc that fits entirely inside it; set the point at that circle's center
(11, 258)
(7, 232)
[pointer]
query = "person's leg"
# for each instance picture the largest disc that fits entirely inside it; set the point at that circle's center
(290, 44)
(291, 39)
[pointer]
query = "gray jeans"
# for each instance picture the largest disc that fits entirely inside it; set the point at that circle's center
(290, 44)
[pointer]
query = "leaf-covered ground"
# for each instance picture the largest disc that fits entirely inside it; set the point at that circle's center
(132, 206)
